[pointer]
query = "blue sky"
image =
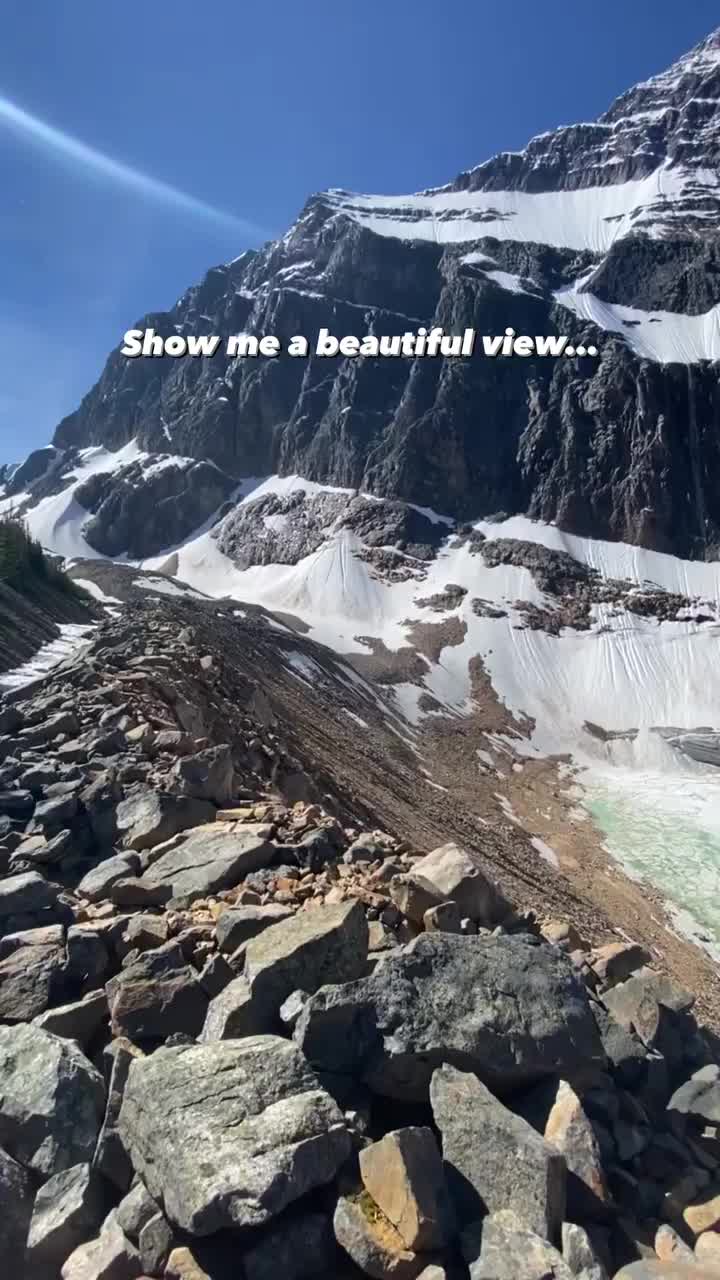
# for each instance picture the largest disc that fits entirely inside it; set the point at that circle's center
(249, 109)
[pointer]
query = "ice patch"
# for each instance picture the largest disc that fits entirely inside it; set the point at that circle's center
(72, 638)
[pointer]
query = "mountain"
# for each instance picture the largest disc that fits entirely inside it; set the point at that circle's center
(520, 554)
(605, 231)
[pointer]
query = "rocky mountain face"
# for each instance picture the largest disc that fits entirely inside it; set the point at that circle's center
(263, 1012)
(607, 232)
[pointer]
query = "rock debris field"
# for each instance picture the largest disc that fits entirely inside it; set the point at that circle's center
(242, 1038)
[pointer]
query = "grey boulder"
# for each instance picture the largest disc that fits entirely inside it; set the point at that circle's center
(456, 876)
(51, 1100)
(229, 1134)
(320, 945)
(210, 858)
(98, 882)
(494, 1159)
(148, 817)
(17, 1192)
(501, 1006)
(240, 924)
(510, 1251)
(68, 1210)
(110, 1256)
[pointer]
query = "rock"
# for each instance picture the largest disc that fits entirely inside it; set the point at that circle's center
(111, 1159)
(56, 812)
(300, 1246)
(17, 1192)
(239, 924)
(207, 860)
(183, 1265)
(494, 1159)
(110, 1256)
(372, 1242)
(17, 804)
(157, 995)
(570, 1132)
(156, 1242)
(326, 944)
(456, 875)
(580, 1254)
(704, 1213)
(68, 1210)
(649, 1270)
(145, 932)
(148, 817)
(235, 1013)
(707, 1250)
(230, 1134)
(413, 897)
(135, 1211)
(28, 978)
(561, 933)
(699, 1097)
(446, 917)
(51, 1100)
(26, 894)
(638, 1004)
(97, 883)
(88, 956)
(80, 1020)
(616, 961)
(208, 775)
(625, 1050)
(510, 1251)
(669, 1247)
(403, 1173)
(499, 1005)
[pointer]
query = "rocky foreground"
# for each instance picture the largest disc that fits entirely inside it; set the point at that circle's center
(243, 1038)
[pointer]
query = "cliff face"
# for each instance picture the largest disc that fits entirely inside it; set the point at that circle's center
(608, 232)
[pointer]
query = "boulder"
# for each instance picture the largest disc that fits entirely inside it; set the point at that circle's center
(648, 1269)
(239, 924)
(209, 859)
(570, 1132)
(372, 1242)
(235, 1012)
(230, 1134)
(17, 1192)
(25, 894)
(155, 1244)
(456, 875)
(508, 1008)
(68, 1210)
(51, 1100)
(207, 775)
(111, 1159)
(28, 978)
(510, 1251)
(699, 1097)
(148, 817)
(298, 1246)
(617, 961)
(704, 1212)
(97, 883)
(580, 1254)
(135, 1211)
(156, 995)
(80, 1020)
(403, 1173)
(110, 1256)
(495, 1159)
(317, 946)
